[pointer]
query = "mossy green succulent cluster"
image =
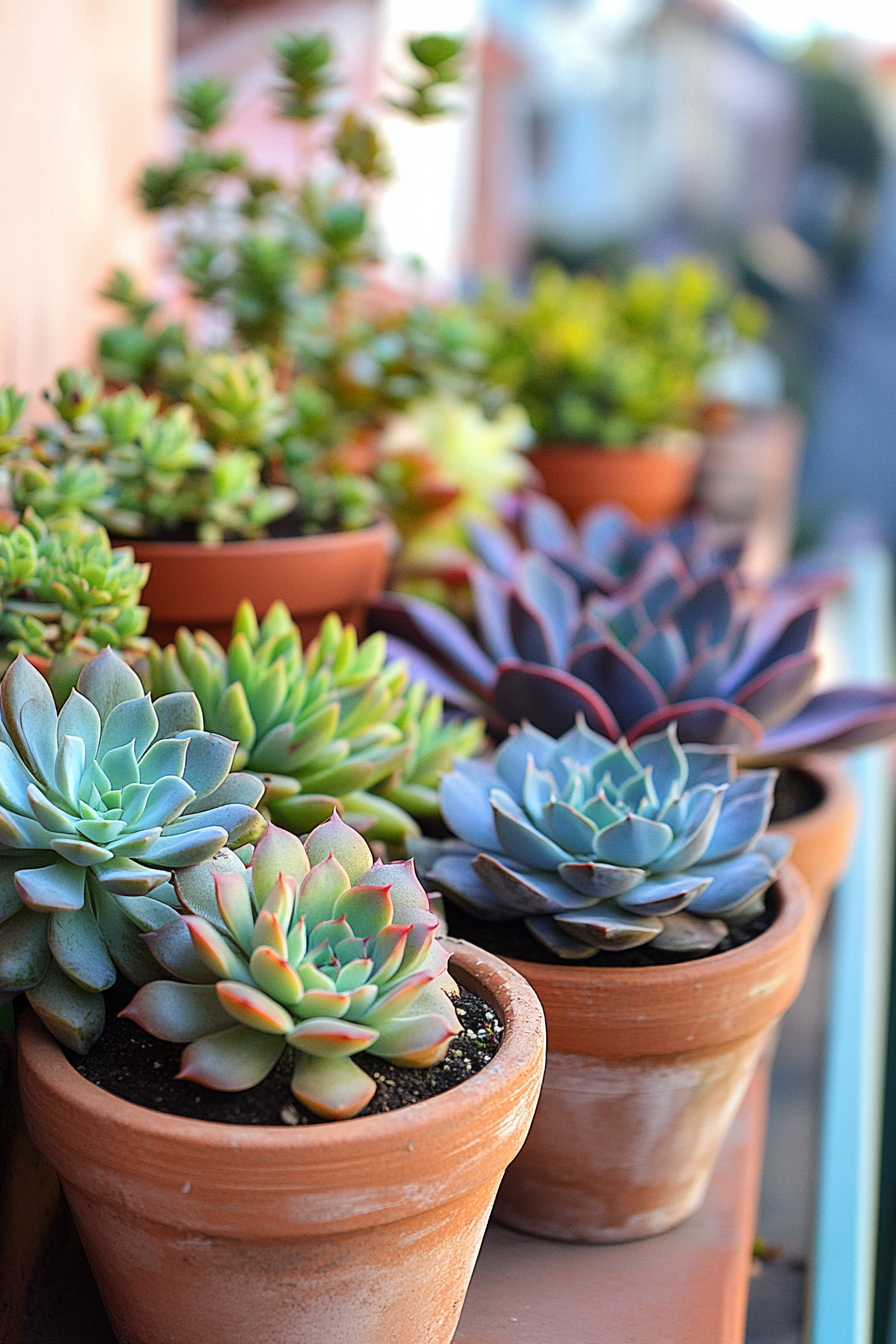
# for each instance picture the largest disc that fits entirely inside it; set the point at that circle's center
(333, 725)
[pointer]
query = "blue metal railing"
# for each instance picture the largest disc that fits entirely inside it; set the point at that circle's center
(842, 1293)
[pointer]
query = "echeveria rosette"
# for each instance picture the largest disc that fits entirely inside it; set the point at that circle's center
(728, 661)
(315, 948)
(607, 846)
(99, 803)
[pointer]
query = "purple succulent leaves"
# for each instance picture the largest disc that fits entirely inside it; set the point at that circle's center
(315, 948)
(606, 844)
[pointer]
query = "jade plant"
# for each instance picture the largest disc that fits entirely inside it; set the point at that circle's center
(615, 363)
(683, 639)
(334, 725)
(608, 846)
(312, 948)
(65, 594)
(228, 460)
(278, 263)
(99, 804)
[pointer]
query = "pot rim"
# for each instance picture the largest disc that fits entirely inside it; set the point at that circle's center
(264, 546)
(502, 987)
(636, 1012)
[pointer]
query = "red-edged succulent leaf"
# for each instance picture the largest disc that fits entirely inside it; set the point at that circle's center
(619, 679)
(779, 691)
(277, 852)
(410, 902)
(344, 843)
(281, 899)
(550, 699)
(176, 1012)
(324, 1003)
(368, 909)
(491, 599)
(783, 626)
(232, 1060)
(712, 721)
(399, 999)
(329, 931)
(414, 1042)
(251, 1008)
(331, 1037)
(388, 952)
(235, 905)
(274, 975)
(321, 889)
(837, 720)
(533, 637)
(174, 950)
(334, 1089)
(268, 932)
(214, 951)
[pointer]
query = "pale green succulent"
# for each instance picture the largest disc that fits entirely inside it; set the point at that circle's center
(332, 726)
(314, 947)
(98, 805)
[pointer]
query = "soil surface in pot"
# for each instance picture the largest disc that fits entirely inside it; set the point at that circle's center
(513, 939)
(137, 1067)
(796, 792)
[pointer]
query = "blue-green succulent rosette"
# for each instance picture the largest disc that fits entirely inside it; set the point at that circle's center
(603, 846)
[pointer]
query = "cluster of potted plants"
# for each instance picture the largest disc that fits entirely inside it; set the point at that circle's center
(279, 1078)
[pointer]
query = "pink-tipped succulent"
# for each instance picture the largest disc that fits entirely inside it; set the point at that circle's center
(313, 947)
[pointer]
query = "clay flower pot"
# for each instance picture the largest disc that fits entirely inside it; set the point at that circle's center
(652, 483)
(646, 1070)
(823, 834)
(202, 586)
(364, 1230)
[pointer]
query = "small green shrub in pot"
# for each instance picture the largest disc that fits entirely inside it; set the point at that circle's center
(331, 726)
(313, 947)
(598, 361)
(99, 803)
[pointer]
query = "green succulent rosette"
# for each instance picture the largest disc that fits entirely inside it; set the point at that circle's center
(99, 804)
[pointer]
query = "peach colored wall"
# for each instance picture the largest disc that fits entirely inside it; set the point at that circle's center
(83, 89)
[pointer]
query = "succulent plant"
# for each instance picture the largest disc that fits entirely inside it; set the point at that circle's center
(607, 846)
(313, 947)
(98, 805)
(615, 362)
(65, 594)
(221, 464)
(331, 726)
(680, 641)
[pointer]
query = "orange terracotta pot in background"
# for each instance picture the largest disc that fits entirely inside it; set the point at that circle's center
(364, 1230)
(652, 483)
(202, 586)
(823, 836)
(646, 1070)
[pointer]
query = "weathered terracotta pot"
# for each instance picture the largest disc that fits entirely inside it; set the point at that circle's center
(646, 1070)
(823, 836)
(202, 586)
(365, 1230)
(652, 483)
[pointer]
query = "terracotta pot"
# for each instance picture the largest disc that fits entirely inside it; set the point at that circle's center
(651, 483)
(823, 836)
(202, 586)
(646, 1070)
(365, 1230)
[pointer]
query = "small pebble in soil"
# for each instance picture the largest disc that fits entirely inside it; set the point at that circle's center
(130, 1063)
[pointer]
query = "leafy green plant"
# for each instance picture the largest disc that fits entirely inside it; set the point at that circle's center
(331, 726)
(222, 463)
(65, 595)
(614, 363)
(313, 948)
(99, 804)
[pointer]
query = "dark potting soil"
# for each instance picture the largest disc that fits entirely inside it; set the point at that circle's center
(137, 1067)
(796, 792)
(513, 939)
(294, 524)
